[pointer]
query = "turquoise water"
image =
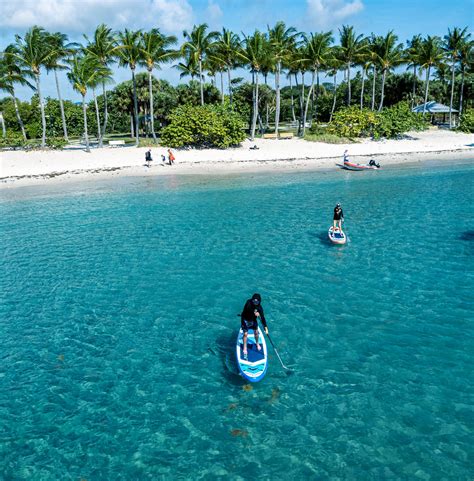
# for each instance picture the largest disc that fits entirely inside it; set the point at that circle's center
(118, 317)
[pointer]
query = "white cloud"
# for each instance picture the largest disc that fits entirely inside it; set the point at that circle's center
(214, 12)
(329, 13)
(171, 16)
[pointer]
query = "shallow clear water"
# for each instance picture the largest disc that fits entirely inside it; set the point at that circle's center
(118, 312)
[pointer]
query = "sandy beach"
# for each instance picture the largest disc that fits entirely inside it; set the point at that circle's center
(73, 163)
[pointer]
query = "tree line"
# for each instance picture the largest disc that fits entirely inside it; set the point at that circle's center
(281, 50)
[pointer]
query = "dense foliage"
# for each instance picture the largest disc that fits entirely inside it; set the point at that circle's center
(203, 126)
(352, 122)
(467, 121)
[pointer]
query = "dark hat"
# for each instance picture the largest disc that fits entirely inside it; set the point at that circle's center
(257, 297)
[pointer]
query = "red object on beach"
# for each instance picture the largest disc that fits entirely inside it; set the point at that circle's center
(353, 166)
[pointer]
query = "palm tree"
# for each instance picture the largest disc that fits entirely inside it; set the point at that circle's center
(86, 72)
(130, 54)
(466, 59)
(227, 47)
(32, 52)
(391, 55)
(365, 62)
(350, 49)
(413, 46)
(105, 48)
(155, 52)
(196, 47)
(430, 54)
(334, 64)
(189, 68)
(253, 54)
(317, 51)
(10, 74)
(453, 44)
(372, 54)
(59, 50)
(282, 40)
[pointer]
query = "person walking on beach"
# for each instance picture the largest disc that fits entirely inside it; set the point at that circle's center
(163, 159)
(251, 313)
(148, 158)
(338, 217)
(171, 157)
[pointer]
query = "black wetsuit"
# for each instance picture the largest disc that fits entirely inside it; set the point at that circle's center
(248, 319)
(338, 215)
(148, 156)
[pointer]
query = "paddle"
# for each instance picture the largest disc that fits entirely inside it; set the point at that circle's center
(278, 355)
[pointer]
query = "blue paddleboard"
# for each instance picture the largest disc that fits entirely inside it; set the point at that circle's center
(255, 367)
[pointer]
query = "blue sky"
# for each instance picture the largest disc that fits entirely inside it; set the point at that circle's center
(74, 17)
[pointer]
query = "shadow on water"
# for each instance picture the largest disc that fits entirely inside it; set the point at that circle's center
(224, 348)
(467, 235)
(322, 236)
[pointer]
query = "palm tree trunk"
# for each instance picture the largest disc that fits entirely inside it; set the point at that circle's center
(18, 117)
(374, 73)
(414, 87)
(452, 96)
(307, 102)
(152, 110)
(230, 86)
(86, 135)
(348, 83)
(106, 116)
(43, 116)
(132, 130)
(362, 90)
(255, 108)
(96, 113)
(222, 87)
(427, 85)
(302, 96)
(135, 106)
(292, 101)
(334, 97)
(384, 72)
(2, 121)
(277, 99)
(61, 106)
(200, 81)
(461, 93)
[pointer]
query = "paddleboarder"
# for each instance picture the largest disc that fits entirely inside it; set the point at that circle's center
(251, 313)
(338, 217)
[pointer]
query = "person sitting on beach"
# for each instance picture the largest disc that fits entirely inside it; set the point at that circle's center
(338, 217)
(346, 156)
(148, 158)
(171, 157)
(251, 313)
(163, 159)
(254, 147)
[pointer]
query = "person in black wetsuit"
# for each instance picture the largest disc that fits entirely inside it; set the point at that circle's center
(338, 217)
(251, 313)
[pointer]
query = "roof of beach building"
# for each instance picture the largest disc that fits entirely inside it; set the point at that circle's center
(433, 108)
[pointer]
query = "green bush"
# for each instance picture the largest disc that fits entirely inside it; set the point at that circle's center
(12, 140)
(203, 126)
(389, 123)
(56, 143)
(353, 122)
(396, 120)
(467, 121)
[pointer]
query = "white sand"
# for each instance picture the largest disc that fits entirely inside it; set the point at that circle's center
(20, 168)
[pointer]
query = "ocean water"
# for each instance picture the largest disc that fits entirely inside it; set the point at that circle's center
(118, 319)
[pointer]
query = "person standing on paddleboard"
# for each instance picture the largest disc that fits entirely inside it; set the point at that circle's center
(251, 313)
(338, 217)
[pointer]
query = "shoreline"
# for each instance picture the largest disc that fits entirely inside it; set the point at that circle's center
(20, 168)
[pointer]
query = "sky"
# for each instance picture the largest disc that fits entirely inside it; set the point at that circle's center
(78, 17)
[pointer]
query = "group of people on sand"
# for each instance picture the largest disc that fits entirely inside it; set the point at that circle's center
(149, 158)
